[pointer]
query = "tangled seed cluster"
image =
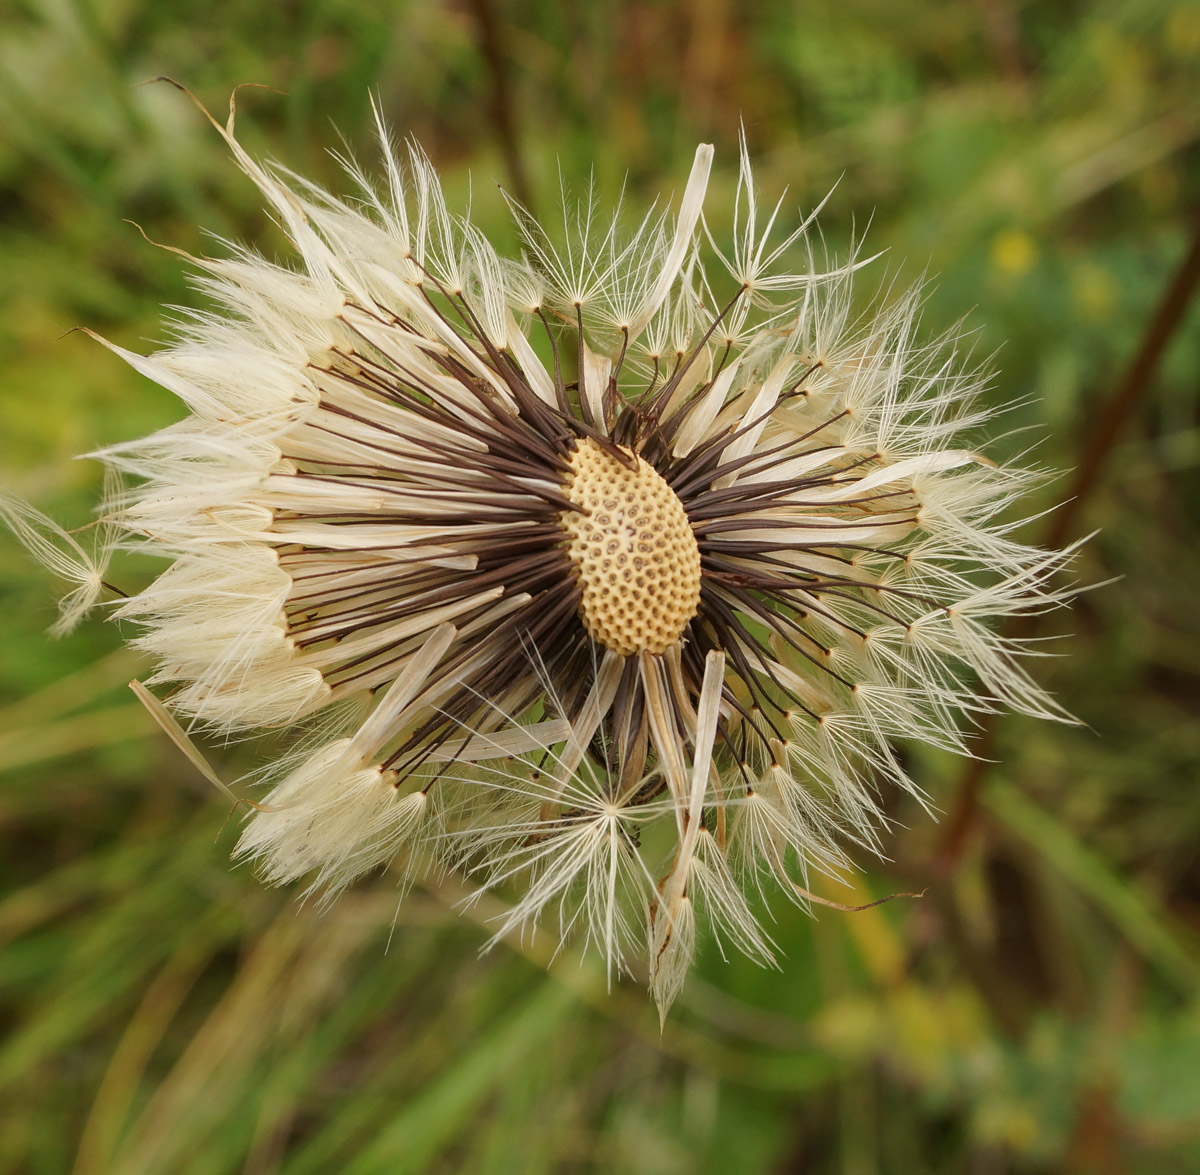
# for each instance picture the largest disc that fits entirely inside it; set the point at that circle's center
(639, 565)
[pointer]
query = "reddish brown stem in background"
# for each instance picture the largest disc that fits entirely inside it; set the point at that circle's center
(1125, 397)
(1132, 389)
(491, 44)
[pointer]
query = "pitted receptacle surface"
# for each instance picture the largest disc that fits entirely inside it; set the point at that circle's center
(637, 558)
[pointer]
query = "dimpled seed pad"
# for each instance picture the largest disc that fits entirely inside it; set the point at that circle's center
(638, 561)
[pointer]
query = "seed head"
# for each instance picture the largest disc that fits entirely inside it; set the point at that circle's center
(695, 572)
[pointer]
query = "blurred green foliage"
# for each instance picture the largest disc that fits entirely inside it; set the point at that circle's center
(1036, 1011)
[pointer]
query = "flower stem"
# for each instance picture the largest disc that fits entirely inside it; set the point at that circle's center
(1114, 415)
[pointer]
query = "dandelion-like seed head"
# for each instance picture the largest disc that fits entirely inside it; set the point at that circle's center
(627, 559)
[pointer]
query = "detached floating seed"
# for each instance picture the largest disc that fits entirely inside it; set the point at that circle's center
(630, 539)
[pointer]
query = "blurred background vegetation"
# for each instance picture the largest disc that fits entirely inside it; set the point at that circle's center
(1036, 1011)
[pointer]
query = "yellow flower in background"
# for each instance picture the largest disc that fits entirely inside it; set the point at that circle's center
(1094, 291)
(1014, 252)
